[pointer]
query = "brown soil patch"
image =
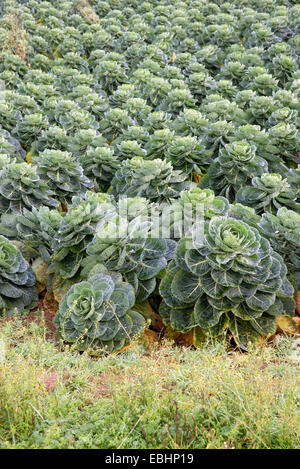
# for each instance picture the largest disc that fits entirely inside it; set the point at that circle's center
(102, 384)
(49, 306)
(50, 378)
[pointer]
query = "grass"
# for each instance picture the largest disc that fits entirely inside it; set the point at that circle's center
(165, 397)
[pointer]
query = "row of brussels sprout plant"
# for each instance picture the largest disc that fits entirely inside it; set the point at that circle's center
(125, 107)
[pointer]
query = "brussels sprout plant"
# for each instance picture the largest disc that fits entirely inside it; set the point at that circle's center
(155, 180)
(21, 187)
(268, 193)
(283, 230)
(236, 164)
(64, 174)
(126, 246)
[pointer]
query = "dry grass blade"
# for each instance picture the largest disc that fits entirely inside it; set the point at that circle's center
(134, 426)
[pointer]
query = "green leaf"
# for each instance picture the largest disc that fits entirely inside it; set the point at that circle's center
(197, 264)
(243, 333)
(149, 268)
(10, 291)
(145, 288)
(240, 292)
(179, 319)
(265, 325)
(219, 329)
(243, 312)
(186, 287)
(180, 254)
(212, 288)
(261, 301)
(138, 324)
(123, 297)
(205, 315)
(227, 278)
(224, 304)
(165, 287)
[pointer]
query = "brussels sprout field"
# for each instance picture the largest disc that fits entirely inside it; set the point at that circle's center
(150, 168)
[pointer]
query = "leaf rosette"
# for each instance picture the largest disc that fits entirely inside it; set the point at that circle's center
(231, 278)
(64, 174)
(283, 231)
(234, 167)
(125, 245)
(154, 179)
(17, 290)
(21, 187)
(268, 193)
(97, 315)
(76, 230)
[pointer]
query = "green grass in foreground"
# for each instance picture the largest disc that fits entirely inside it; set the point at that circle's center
(167, 398)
